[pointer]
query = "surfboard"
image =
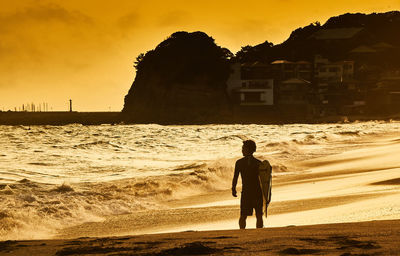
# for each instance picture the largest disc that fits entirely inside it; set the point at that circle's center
(265, 177)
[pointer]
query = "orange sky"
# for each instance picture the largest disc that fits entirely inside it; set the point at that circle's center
(51, 51)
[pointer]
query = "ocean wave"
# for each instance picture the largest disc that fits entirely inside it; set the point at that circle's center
(279, 168)
(99, 143)
(33, 210)
(309, 139)
(63, 188)
(231, 137)
(41, 164)
(32, 204)
(351, 133)
(189, 166)
(277, 144)
(48, 207)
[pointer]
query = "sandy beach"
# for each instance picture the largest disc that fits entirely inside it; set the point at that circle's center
(342, 204)
(362, 238)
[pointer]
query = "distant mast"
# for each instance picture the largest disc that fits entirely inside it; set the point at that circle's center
(70, 105)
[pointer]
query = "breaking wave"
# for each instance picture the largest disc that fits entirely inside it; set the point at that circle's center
(32, 210)
(96, 144)
(351, 133)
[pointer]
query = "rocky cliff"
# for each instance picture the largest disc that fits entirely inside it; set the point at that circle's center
(182, 80)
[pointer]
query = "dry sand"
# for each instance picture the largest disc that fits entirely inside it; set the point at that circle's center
(358, 190)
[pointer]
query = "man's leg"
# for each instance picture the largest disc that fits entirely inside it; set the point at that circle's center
(244, 211)
(260, 223)
(259, 212)
(242, 221)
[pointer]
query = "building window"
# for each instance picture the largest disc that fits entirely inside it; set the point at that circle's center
(347, 66)
(252, 97)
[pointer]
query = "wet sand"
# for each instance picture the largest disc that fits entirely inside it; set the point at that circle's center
(362, 238)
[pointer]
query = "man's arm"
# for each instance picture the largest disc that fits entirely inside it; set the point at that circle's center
(235, 179)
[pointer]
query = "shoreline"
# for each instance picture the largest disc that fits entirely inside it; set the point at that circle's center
(98, 118)
(359, 238)
(352, 205)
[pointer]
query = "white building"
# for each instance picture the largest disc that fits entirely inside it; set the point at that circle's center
(257, 92)
(251, 91)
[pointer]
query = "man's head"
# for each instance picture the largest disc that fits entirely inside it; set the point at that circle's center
(249, 147)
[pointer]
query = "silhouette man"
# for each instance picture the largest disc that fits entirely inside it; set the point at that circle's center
(251, 197)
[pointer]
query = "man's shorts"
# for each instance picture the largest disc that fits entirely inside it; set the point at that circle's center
(250, 202)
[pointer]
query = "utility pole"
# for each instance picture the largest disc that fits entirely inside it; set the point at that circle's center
(70, 105)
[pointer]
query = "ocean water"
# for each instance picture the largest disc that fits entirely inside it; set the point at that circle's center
(53, 177)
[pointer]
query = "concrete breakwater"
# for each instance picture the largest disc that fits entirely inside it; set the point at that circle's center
(97, 118)
(59, 118)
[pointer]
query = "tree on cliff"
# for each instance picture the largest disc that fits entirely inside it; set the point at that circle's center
(257, 53)
(302, 45)
(182, 80)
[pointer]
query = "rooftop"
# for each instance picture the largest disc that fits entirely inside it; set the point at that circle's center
(382, 45)
(363, 49)
(296, 81)
(282, 62)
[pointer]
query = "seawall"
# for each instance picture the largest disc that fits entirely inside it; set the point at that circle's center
(97, 118)
(59, 118)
